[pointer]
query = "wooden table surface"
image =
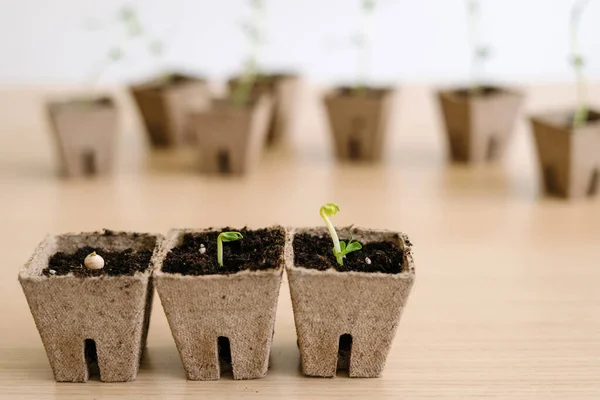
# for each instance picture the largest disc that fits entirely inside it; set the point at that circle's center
(506, 302)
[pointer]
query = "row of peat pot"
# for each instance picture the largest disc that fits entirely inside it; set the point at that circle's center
(345, 319)
(181, 111)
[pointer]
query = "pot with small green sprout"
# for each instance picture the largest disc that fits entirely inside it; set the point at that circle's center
(165, 100)
(360, 116)
(568, 143)
(90, 295)
(219, 289)
(347, 296)
(478, 119)
(231, 133)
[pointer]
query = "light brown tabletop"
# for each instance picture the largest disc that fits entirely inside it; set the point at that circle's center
(506, 302)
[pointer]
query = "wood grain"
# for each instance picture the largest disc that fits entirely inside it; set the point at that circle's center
(506, 302)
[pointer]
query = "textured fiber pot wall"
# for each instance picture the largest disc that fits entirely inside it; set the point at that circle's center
(86, 135)
(569, 158)
(367, 306)
(200, 309)
(113, 311)
(230, 139)
(359, 124)
(165, 109)
(285, 90)
(479, 128)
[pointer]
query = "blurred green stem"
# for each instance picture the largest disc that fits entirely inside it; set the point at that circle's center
(581, 113)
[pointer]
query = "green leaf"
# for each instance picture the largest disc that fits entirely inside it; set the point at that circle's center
(368, 5)
(127, 13)
(342, 246)
(354, 246)
(330, 209)
(230, 236)
(482, 52)
(156, 47)
(577, 61)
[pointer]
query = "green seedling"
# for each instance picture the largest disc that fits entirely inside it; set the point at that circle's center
(479, 52)
(340, 248)
(225, 237)
(362, 41)
(253, 29)
(577, 61)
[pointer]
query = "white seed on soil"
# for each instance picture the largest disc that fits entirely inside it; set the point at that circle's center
(93, 261)
(202, 249)
(52, 272)
(367, 260)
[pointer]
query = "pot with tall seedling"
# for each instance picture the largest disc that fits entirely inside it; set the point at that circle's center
(359, 116)
(347, 295)
(165, 100)
(568, 142)
(283, 87)
(219, 289)
(479, 119)
(231, 133)
(85, 127)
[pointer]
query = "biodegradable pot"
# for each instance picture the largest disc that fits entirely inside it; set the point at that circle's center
(165, 105)
(73, 313)
(86, 135)
(284, 89)
(359, 122)
(330, 305)
(201, 309)
(230, 139)
(569, 158)
(479, 127)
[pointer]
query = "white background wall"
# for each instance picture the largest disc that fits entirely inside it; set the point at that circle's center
(45, 41)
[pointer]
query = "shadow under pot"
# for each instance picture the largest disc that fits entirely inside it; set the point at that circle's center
(221, 317)
(569, 157)
(165, 103)
(92, 321)
(86, 135)
(479, 125)
(230, 138)
(359, 122)
(347, 316)
(284, 89)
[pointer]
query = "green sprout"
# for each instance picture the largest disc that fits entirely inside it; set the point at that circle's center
(362, 43)
(340, 248)
(479, 52)
(581, 114)
(254, 33)
(226, 237)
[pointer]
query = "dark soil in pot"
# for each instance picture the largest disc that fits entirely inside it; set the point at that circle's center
(484, 91)
(315, 252)
(258, 250)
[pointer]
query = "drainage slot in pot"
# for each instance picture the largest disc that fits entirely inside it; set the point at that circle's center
(91, 358)
(551, 180)
(89, 162)
(593, 188)
(344, 350)
(354, 147)
(492, 149)
(223, 162)
(224, 351)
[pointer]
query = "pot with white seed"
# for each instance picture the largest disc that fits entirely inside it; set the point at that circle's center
(90, 295)
(347, 298)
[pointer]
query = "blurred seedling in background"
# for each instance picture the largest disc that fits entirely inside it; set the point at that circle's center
(362, 42)
(226, 237)
(479, 52)
(581, 113)
(340, 248)
(254, 30)
(127, 20)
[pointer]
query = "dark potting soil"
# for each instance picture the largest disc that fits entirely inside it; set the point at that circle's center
(259, 250)
(348, 91)
(592, 116)
(483, 92)
(316, 252)
(116, 263)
